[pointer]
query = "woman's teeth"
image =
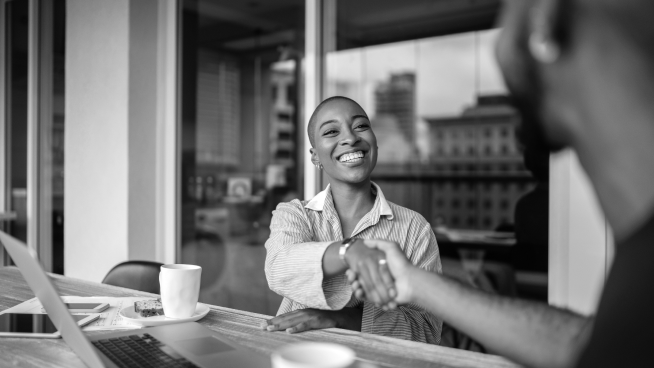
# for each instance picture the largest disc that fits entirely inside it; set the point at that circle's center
(351, 156)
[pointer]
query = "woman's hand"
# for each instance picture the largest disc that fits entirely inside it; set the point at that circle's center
(400, 268)
(315, 319)
(367, 263)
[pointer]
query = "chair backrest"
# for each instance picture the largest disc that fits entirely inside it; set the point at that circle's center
(137, 275)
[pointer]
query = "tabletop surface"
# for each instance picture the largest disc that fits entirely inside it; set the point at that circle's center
(239, 326)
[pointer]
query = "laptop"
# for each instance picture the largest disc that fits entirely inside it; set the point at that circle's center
(178, 345)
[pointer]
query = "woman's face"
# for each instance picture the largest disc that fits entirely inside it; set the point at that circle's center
(344, 142)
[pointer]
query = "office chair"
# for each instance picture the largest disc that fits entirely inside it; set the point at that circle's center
(137, 275)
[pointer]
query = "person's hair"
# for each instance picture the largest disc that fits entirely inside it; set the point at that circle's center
(312, 121)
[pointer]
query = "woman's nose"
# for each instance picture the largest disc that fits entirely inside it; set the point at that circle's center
(349, 137)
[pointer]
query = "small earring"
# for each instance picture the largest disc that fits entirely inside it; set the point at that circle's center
(543, 48)
(318, 166)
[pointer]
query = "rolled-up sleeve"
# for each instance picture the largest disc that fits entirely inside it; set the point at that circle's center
(294, 262)
(411, 321)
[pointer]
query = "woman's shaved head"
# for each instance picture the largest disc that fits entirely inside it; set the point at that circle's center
(311, 128)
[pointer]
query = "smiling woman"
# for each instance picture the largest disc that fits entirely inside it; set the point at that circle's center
(307, 257)
(343, 141)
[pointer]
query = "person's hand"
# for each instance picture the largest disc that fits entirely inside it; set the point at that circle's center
(400, 268)
(368, 264)
(315, 319)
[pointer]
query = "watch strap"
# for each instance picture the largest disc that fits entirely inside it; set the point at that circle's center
(345, 244)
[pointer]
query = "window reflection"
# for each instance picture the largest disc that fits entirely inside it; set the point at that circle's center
(240, 146)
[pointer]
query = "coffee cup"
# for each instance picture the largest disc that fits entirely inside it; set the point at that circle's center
(313, 355)
(180, 289)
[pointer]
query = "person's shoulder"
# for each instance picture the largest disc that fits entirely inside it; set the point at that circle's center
(295, 206)
(405, 214)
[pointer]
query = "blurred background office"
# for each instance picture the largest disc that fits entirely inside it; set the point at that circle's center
(169, 130)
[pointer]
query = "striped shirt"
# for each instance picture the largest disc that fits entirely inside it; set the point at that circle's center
(300, 232)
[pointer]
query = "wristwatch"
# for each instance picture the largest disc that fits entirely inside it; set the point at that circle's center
(346, 243)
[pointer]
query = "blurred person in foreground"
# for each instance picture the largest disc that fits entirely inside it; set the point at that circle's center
(307, 255)
(582, 73)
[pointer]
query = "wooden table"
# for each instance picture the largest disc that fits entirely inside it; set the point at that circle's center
(239, 326)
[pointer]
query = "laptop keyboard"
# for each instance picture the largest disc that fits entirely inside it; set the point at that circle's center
(141, 350)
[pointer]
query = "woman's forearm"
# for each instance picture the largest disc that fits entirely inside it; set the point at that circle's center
(332, 265)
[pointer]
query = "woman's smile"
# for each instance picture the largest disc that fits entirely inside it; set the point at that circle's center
(352, 158)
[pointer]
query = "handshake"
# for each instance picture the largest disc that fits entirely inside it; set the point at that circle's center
(380, 273)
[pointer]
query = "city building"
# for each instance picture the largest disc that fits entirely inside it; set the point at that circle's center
(282, 130)
(477, 155)
(397, 98)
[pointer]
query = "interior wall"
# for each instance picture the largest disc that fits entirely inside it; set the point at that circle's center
(96, 137)
(143, 34)
(120, 138)
(581, 243)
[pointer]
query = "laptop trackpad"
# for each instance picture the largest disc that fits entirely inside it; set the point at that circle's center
(203, 345)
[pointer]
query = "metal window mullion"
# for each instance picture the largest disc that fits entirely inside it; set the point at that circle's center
(313, 67)
(39, 127)
(3, 121)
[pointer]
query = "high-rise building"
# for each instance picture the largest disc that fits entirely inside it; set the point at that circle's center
(479, 155)
(397, 98)
(282, 131)
(218, 109)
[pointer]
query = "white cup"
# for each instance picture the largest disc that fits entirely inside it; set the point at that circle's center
(180, 289)
(313, 355)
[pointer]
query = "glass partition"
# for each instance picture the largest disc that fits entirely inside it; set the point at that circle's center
(426, 74)
(50, 99)
(240, 140)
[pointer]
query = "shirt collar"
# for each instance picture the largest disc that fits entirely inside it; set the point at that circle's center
(317, 203)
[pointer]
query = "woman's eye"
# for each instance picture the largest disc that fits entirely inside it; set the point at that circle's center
(328, 132)
(363, 126)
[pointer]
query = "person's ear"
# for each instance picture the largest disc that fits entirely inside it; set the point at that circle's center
(314, 156)
(548, 27)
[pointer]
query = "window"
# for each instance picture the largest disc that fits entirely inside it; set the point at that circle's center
(16, 53)
(434, 116)
(472, 204)
(471, 221)
(239, 128)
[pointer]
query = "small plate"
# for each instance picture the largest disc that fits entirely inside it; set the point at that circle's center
(129, 315)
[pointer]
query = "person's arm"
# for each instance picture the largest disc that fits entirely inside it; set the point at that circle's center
(527, 332)
(294, 262)
(309, 272)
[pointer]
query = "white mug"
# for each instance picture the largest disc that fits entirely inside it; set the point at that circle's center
(180, 289)
(313, 355)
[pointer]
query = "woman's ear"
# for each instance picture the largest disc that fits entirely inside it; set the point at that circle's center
(314, 156)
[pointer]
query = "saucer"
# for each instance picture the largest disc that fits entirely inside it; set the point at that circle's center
(131, 316)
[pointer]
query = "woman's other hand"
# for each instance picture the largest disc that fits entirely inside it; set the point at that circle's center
(315, 319)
